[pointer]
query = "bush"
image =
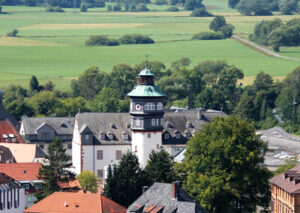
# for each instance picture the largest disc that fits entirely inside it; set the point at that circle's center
(209, 36)
(109, 8)
(0, 9)
(161, 2)
(100, 40)
(263, 12)
(117, 7)
(99, 3)
(54, 9)
(201, 12)
(83, 8)
(173, 9)
(227, 30)
(141, 7)
(136, 39)
(12, 33)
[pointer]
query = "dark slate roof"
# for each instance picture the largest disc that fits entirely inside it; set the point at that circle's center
(61, 125)
(160, 194)
(4, 115)
(180, 121)
(6, 155)
(106, 123)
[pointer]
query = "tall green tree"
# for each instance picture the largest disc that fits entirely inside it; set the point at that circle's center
(44, 103)
(223, 162)
(107, 100)
(160, 167)
(125, 181)
(88, 181)
(55, 170)
(233, 3)
(34, 84)
(217, 23)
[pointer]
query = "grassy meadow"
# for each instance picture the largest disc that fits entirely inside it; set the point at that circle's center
(51, 45)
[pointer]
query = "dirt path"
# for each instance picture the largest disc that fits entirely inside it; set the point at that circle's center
(262, 49)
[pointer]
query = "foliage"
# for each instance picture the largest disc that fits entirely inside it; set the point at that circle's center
(288, 7)
(193, 4)
(223, 162)
(201, 12)
(254, 7)
(161, 2)
(34, 84)
(136, 39)
(84, 8)
(217, 23)
(54, 9)
(44, 103)
(88, 181)
(55, 171)
(233, 3)
(289, 163)
(160, 167)
(173, 9)
(100, 40)
(208, 36)
(107, 100)
(18, 108)
(227, 30)
(117, 7)
(184, 61)
(71, 106)
(124, 182)
(141, 7)
(12, 33)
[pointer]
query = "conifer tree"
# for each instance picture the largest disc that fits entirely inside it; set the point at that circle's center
(54, 171)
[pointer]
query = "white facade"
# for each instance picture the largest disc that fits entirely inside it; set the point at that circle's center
(12, 201)
(143, 143)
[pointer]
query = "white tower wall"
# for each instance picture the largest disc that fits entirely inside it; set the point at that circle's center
(143, 143)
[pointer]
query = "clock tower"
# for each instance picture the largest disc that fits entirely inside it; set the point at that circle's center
(146, 113)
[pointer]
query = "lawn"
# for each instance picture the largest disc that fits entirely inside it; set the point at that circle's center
(51, 45)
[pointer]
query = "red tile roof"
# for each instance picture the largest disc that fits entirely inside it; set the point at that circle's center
(288, 181)
(70, 184)
(21, 171)
(65, 202)
(6, 127)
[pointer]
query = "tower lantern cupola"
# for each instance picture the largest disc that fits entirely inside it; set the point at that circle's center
(146, 114)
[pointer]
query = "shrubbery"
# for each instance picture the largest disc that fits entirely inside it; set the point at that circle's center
(100, 40)
(135, 39)
(201, 12)
(54, 9)
(83, 8)
(209, 36)
(12, 33)
(117, 7)
(219, 24)
(141, 7)
(173, 9)
(161, 2)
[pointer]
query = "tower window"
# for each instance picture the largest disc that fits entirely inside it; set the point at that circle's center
(161, 121)
(157, 121)
(118, 154)
(149, 106)
(153, 121)
(149, 135)
(157, 146)
(137, 122)
(159, 106)
(177, 135)
(167, 136)
(135, 149)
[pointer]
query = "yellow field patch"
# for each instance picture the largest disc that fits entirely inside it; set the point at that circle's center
(248, 80)
(80, 26)
(15, 41)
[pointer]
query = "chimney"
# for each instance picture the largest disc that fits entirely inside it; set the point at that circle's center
(145, 188)
(175, 189)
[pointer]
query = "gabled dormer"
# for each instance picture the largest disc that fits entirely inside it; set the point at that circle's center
(45, 132)
(102, 135)
(86, 135)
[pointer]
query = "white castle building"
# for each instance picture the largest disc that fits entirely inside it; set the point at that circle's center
(99, 139)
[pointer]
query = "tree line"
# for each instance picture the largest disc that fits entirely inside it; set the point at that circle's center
(214, 85)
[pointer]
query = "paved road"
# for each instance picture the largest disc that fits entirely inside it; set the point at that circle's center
(262, 49)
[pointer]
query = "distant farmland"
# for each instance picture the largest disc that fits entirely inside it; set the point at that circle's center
(51, 45)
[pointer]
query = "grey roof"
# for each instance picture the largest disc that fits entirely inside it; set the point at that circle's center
(5, 115)
(119, 123)
(61, 125)
(160, 194)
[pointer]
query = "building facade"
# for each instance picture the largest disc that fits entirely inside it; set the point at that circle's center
(285, 192)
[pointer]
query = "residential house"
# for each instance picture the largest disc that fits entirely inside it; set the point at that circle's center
(285, 191)
(42, 131)
(165, 198)
(12, 196)
(8, 133)
(27, 175)
(64, 202)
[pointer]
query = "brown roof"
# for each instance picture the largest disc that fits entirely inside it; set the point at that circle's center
(21, 171)
(288, 181)
(6, 127)
(65, 202)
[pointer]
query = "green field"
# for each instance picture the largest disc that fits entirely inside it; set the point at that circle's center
(51, 45)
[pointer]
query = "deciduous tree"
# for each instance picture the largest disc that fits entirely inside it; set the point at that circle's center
(88, 181)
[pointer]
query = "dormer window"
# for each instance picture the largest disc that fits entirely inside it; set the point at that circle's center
(110, 136)
(125, 137)
(167, 136)
(169, 125)
(128, 125)
(177, 135)
(102, 136)
(160, 106)
(188, 135)
(63, 125)
(113, 126)
(189, 125)
(149, 106)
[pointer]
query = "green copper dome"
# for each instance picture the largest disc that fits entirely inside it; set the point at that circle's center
(146, 72)
(146, 91)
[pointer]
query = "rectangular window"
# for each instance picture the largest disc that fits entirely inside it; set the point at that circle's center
(118, 154)
(99, 154)
(166, 136)
(149, 135)
(100, 173)
(161, 121)
(153, 121)
(137, 122)
(157, 121)
(135, 149)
